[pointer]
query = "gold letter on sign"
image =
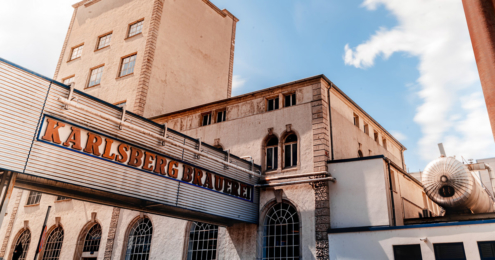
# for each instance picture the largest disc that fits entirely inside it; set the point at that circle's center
(51, 133)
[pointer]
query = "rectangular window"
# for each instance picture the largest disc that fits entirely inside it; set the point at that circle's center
(290, 159)
(487, 250)
(69, 80)
(290, 100)
(95, 77)
(62, 198)
(104, 41)
(271, 158)
(407, 252)
(375, 134)
(34, 198)
(448, 251)
(356, 120)
(127, 65)
(384, 143)
(76, 52)
(221, 116)
(272, 104)
(206, 119)
(135, 28)
(366, 129)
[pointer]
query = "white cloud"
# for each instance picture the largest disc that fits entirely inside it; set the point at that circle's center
(398, 135)
(33, 32)
(237, 82)
(436, 32)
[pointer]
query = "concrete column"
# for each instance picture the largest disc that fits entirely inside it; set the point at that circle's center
(480, 16)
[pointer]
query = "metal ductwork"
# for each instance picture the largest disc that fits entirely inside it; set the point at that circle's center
(451, 184)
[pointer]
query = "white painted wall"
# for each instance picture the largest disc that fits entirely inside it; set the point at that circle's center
(379, 244)
(358, 197)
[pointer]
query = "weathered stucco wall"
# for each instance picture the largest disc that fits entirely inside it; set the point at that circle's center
(90, 23)
(192, 58)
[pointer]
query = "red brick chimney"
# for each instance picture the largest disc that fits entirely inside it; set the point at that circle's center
(480, 16)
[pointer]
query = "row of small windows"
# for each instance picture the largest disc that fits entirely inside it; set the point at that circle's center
(271, 104)
(34, 198)
(366, 131)
(444, 251)
(126, 68)
(104, 40)
(290, 152)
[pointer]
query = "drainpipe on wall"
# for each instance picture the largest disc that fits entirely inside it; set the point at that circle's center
(391, 194)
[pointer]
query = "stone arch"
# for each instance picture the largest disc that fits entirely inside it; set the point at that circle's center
(16, 238)
(48, 235)
(129, 228)
(263, 212)
(82, 237)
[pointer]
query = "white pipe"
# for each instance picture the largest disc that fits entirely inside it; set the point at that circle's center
(146, 132)
(483, 166)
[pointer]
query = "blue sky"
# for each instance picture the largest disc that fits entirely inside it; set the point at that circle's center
(409, 64)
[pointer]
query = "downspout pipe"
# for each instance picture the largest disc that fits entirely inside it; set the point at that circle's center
(394, 222)
(330, 121)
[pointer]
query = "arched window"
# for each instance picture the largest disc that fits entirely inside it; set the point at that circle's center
(202, 242)
(290, 151)
(139, 241)
(281, 233)
(272, 154)
(360, 153)
(92, 242)
(54, 244)
(22, 245)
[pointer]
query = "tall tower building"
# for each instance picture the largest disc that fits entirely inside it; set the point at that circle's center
(480, 16)
(155, 56)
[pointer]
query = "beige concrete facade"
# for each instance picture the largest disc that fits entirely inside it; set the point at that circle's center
(184, 47)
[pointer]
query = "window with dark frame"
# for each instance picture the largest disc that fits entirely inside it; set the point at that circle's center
(95, 76)
(92, 241)
(104, 41)
(356, 120)
(34, 198)
(384, 143)
(206, 119)
(139, 241)
(448, 251)
(202, 242)
(127, 65)
(221, 116)
(290, 100)
(272, 154)
(272, 104)
(22, 245)
(375, 135)
(53, 244)
(366, 129)
(135, 28)
(487, 250)
(281, 236)
(76, 52)
(290, 151)
(407, 252)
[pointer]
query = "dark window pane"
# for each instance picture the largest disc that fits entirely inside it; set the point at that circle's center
(276, 103)
(272, 142)
(294, 99)
(407, 252)
(269, 158)
(487, 250)
(294, 154)
(449, 251)
(287, 161)
(287, 101)
(270, 105)
(291, 138)
(275, 157)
